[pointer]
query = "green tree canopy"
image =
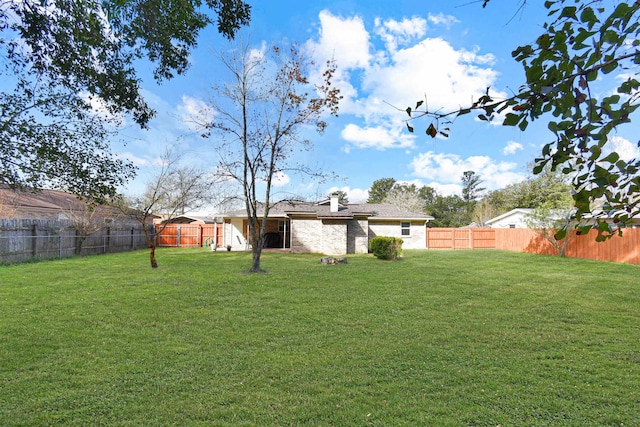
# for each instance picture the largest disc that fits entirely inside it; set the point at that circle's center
(379, 189)
(61, 59)
(343, 196)
(91, 45)
(471, 191)
(447, 211)
(549, 188)
(583, 42)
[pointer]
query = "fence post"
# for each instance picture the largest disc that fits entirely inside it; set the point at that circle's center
(108, 238)
(178, 237)
(426, 236)
(34, 239)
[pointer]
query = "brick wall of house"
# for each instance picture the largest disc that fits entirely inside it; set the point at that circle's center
(334, 237)
(358, 236)
(306, 235)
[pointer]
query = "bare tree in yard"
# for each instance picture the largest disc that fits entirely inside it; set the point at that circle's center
(174, 190)
(260, 115)
(405, 196)
(87, 218)
(483, 212)
(552, 225)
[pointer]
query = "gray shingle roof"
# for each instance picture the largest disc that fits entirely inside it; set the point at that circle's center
(378, 211)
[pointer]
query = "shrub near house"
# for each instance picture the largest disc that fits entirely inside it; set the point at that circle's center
(387, 248)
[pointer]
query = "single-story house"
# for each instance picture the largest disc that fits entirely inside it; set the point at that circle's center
(186, 219)
(329, 227)
(517, 218)
(53, 205)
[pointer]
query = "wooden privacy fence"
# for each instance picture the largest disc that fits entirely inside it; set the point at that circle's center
(618, 249)
(189, 235)
(26, 239)
(461, 238)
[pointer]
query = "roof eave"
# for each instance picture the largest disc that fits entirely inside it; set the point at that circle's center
(389, 218)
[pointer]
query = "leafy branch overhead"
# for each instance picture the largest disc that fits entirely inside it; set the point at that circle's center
(583, 42)
(70, 76)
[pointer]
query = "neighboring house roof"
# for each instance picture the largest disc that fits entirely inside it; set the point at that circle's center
(555, 214)
(523, 215)
(47, 204)
(31, 204)
(190, 219)
(514, 212)
(322, 210)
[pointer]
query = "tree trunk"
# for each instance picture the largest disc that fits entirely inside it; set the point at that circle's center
(151, 243)
(79, 241)
(563, 247)
(152, 257)
(255, 262)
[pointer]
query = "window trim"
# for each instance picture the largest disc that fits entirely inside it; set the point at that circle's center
(405, 228)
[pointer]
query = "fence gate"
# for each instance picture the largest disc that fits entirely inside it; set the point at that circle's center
(460, 238)
(189, 235)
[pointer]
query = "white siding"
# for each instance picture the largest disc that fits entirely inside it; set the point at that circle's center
(417, 239)
(233, 234)
(515, 220)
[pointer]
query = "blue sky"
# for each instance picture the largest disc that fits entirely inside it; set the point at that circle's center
(388, 54)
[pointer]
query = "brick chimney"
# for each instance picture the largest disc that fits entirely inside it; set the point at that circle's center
(334, 202)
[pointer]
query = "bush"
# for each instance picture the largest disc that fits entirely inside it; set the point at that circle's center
(389, 248)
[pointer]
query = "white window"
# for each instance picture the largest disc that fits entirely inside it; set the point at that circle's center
(281, 226)
(405, 228)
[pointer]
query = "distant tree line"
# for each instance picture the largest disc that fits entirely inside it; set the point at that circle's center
(547, 190)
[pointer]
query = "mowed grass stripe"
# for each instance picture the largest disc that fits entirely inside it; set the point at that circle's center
(438, 338)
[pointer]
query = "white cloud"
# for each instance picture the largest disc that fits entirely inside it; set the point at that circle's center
(442, 19)
(355, 195)
(446, 189)
(344, 39)
(395, 33)
(449, 168)
(136, 160)
(379, 137)
(100, 108)
(280, 179)
(512, 147)
(448, 77)
(625, 149)
(195, 113)
(373, 82)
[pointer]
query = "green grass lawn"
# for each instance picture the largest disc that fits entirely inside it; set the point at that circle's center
(465, 338)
